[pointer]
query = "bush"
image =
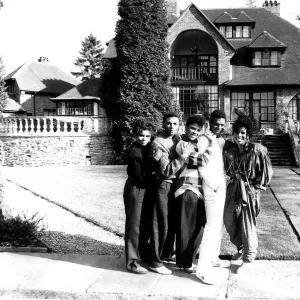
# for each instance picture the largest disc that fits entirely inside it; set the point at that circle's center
(20, 227)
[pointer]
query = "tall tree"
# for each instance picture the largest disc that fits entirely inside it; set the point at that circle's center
(3, 94)
(298, 18)
(251, 3)
(90, 59)
(144, 91)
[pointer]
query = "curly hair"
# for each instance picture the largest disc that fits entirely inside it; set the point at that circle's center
(242, 121)
(141, 126)
(196, 119)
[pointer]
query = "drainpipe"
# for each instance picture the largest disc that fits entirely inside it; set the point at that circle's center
(34, 103)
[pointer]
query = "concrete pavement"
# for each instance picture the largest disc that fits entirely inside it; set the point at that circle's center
(53, 276)
(57, 276)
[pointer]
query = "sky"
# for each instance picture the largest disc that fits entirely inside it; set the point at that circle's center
(30, 29)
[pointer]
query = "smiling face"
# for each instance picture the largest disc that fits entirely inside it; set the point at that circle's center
(217, 126)
(171, 125)
(193, 131)
(143, 137)
(241, 136)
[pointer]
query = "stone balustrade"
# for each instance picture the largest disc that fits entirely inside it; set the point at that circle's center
(54, 126)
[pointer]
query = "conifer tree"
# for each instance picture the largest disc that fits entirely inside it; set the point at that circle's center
(3, 94)
(90, 59)
(144, 92)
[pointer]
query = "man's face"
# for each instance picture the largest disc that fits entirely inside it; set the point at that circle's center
(193, 131)
(217, 126)
(171, 125)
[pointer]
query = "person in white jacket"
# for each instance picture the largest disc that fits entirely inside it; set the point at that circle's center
(214, 190)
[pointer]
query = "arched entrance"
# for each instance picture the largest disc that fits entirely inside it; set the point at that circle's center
(294, 108)
(194, 72)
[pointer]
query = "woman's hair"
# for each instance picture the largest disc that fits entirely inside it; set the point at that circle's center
(196, 119)
(242, 121)
(141, 126)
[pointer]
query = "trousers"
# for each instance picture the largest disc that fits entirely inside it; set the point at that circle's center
(242, 228)
(212, 235)
(137, 230)
(163, 225)
(191, 220)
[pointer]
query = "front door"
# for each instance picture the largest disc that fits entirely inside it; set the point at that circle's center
(254, 111)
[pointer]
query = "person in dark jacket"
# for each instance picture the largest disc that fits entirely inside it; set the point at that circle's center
(135, 194)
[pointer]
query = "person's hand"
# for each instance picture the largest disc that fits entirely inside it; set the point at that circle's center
(184, 149)
(211, 137)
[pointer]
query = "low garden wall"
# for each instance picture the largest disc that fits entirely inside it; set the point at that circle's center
(53, 141)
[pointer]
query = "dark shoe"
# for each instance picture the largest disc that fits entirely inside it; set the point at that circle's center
(238, 255)
(169, 259)
(136, 268)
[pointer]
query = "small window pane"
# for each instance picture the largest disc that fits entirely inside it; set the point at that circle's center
(246, 31)
(222, 30)
(239, 32)
(274, 58)
(229, 31)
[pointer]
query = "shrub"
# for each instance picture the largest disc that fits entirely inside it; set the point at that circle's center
(20, 226)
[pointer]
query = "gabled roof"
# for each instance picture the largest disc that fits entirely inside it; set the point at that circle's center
(42, 77)
(111, 51)
(89, 89)
(266, 40)
(226, 18)
(13, 106)
(207, 19)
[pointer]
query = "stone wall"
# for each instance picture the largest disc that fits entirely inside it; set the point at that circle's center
(57, 150)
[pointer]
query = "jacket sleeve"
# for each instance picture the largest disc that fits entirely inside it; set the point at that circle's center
(169, 163)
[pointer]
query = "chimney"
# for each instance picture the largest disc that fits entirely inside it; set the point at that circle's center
(173, 11)
(273, 7)
(43, 59)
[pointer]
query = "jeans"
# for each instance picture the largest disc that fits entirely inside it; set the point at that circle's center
(211, 240)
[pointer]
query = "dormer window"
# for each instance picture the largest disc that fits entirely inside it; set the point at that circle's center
(235, 31)
(266, 58)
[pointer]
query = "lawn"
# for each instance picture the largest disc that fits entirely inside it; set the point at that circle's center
(96, 193)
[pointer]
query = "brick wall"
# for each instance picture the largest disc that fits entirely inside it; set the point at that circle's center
(67, 150)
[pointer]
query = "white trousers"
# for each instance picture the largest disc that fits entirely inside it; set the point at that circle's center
(212, 235)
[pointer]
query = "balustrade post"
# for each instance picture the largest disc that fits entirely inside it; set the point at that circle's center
(38, 125)
(72, 126)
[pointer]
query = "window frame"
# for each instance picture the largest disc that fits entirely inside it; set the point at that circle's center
(187, 102)
(263, 57)
(246, 103)
(294, 109)
(224, 29)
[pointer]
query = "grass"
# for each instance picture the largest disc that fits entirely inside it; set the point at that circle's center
(96, 193)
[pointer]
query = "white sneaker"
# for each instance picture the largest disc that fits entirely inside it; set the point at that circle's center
(161, 270)
(221, 263)
(246, 267)
(206, 278)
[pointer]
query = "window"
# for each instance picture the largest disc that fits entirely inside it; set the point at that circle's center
(197, 99)
(260, 105)
(79, 108)
(49, 112)
(266, 58)
(294, 108)
(236, 31)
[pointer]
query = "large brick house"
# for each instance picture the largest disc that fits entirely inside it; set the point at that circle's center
(34, 83)
(245, 58)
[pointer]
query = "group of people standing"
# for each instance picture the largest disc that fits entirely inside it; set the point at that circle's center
(176, 200)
